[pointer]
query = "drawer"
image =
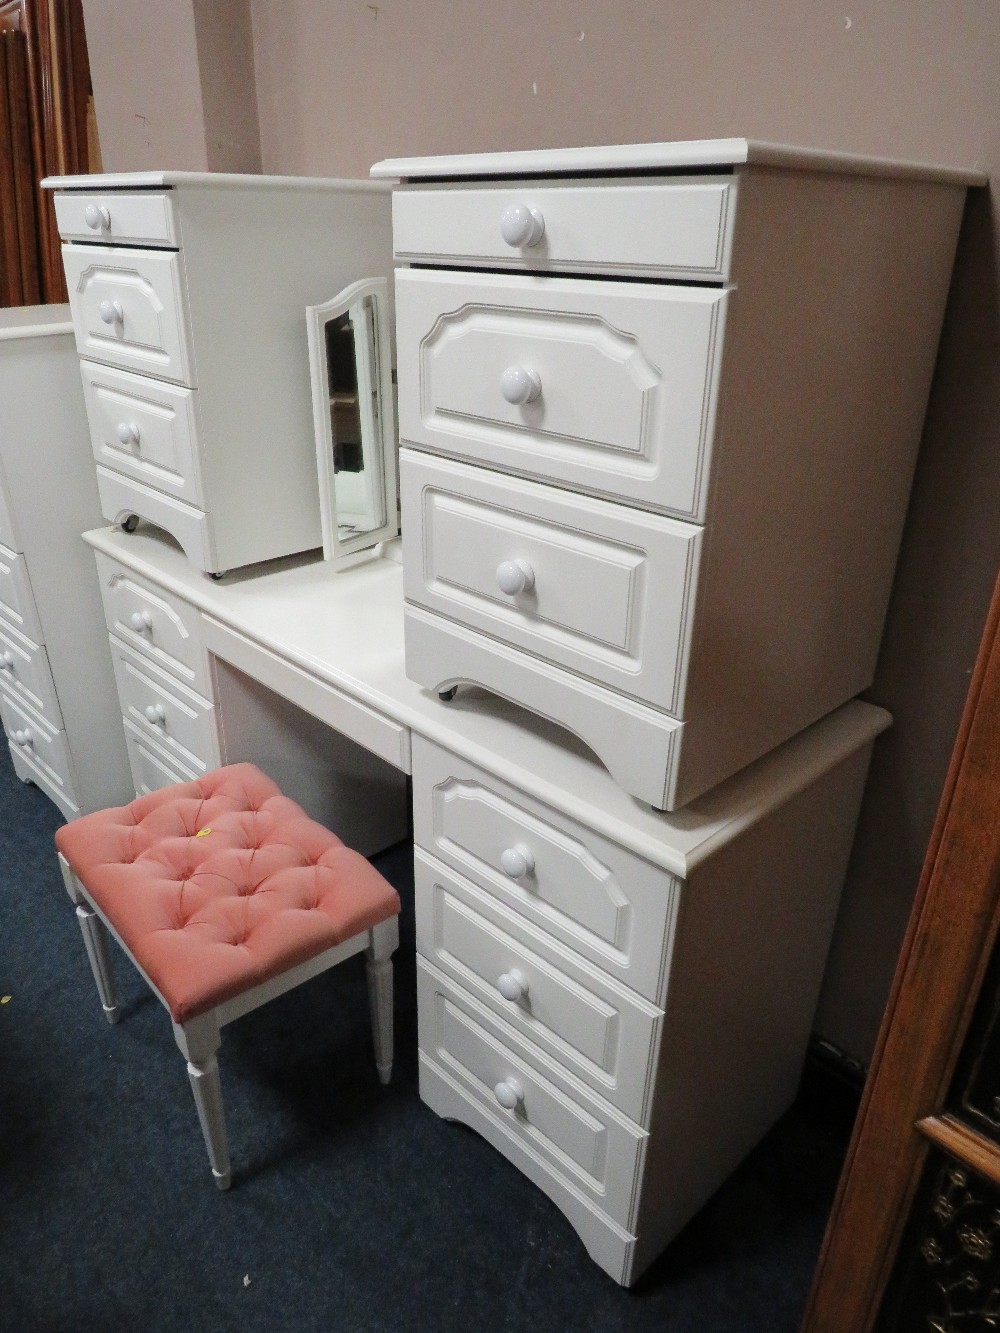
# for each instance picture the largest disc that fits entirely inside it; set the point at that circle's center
(128, 309)
(141, 217)
(601, 590)
(163, 628)
(145, 429)
(17, 603)
(191, 528)
(26, 675)
(582, 1142)
(622, 376)
(40, 751)
(172, 717)
(152, 768)
(610, 906)
(8, 533)
(674, 228)
(604, 1034)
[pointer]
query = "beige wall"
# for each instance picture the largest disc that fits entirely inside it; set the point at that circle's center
(340, 86)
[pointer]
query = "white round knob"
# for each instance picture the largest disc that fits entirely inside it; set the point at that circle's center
(521, 225)
(23, 737)
(514, 576)
(97, 217)
(140, 621)
(517, 861)
(7, 661)
(520, 384)
(127, 432)
(154, 713)
(513, 985)
(112, 312)
(509, 1093)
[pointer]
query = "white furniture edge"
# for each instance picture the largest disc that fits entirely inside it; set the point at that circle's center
(146, 179)
(665, 156)
(33, 322)
(530, 754)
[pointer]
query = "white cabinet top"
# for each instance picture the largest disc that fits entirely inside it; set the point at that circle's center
(34, 321)
(691, 154)
(145, 180)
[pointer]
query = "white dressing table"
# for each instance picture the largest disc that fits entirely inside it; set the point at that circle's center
(618, 999)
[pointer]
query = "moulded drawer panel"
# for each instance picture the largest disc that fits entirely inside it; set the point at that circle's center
(172, 717)
(42, 747)
(17, 603)
(581, 1140)
(626, 380)
(612, 907)
(147, 618)
(144, 428)
(25, 673)
(147, 288)
(600, 1031)
(152, 768)
(645, 228)
(612, 591)
(143, 217)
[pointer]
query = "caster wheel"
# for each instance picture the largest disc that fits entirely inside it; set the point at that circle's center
(129, 524)
(221, 574)
(447, 695)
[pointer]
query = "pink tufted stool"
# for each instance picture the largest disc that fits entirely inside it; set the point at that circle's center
(225, 895)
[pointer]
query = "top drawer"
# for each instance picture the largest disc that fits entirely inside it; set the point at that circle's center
(140, 218)
(675, 229)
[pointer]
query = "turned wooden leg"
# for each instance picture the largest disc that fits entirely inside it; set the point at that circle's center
(378, 966)
(198, 1041)
(95, 937)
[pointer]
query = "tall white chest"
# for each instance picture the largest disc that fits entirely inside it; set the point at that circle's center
(189, 293)
(57, 695)
(659, 410)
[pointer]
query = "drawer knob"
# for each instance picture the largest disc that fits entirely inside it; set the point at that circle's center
(112, 312)
(513, 985)
(517, 861)
(154, 713)
(97, 217)
(7, 661)
(509, 1093)
(23, 737)
(514, 576)
(521, 225)
(127, 432)
(141, 621)
(520, 384)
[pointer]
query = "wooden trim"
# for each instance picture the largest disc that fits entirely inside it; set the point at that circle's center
(975, 1150)
(945, 952)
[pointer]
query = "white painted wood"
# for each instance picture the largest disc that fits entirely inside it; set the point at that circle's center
(54, 785)
(614, 909)
(592, 1025)
(166, 712)
(152, 767)
(95, 939)
(144, 217)
(628, 374)
(207, 1089)
(42, 748)
(8, 529)
(17, 602)
(214, 180)
(677, 228)
(123, 499)
(145, 429)
(378, 973)
(25, 673)
(151, 334)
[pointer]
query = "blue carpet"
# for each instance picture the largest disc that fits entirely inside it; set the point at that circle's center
(353, 1207)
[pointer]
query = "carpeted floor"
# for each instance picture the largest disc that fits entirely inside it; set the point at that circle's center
(353, 1207)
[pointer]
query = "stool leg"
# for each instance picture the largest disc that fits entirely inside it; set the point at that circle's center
(198, 1041)
(378, 967)
(95, 937)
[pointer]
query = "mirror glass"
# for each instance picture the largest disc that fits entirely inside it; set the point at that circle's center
(352, 409)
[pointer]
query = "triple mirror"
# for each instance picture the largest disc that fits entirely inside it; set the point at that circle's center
(350, 367)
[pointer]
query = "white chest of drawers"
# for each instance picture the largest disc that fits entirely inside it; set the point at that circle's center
(660, 408)
(189, 294)
(57, 693)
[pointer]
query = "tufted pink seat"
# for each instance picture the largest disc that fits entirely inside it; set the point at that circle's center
(225, 893)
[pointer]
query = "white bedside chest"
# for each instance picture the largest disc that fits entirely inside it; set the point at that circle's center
(660, 408)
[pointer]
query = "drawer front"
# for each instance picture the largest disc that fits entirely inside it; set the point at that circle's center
(607, 592)
(172, 717)
(38, 745)
(152, 768)
(144, 217)
(17, 603)
(26, 675)
(624, 390)
(580, 1140)
(677, 229)
(597, 1029)
(607, 904)
(165, 629)
(8, 533)
(145, 429)
(128, 309)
